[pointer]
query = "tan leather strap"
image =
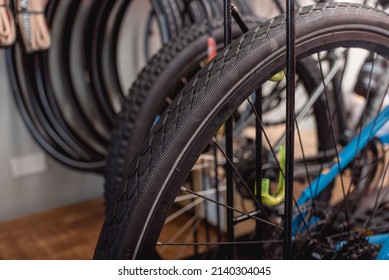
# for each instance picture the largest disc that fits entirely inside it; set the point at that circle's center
(32, 24)
(7, 25)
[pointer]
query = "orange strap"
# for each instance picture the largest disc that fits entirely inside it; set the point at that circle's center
(7, 25)
(212, 48)
(32, 24)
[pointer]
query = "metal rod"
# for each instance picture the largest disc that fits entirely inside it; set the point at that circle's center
(160, 243)
(245, 217)
(278, 4)
(218, 223)
(206, 221)
(238, 18)
(229, 144)
(259, 227)
(290, 108)
(227, 22)
(195, 234)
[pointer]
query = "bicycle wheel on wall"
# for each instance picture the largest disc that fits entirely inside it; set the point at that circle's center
(177, 157)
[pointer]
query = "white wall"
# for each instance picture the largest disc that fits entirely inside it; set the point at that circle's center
(54, 186)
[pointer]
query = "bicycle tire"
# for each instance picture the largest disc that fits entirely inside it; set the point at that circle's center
(16, 75)
(166, 19)
(178, 58)
(207, 101)
(154, 84)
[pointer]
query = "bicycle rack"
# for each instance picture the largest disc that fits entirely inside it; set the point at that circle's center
(290, 107)
(229, 143)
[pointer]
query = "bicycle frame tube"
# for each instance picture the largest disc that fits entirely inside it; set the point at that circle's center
(384, 138)
(346, 156)
(384, 252)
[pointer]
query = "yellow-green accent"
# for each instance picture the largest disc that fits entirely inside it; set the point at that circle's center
(279, 196)
(278, 77)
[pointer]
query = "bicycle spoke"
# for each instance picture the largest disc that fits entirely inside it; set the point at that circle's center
(364, 113)
(334, 142)
(371, 169)
(217, 243)
(218, 190)
(274, 155)
(205, 208)
(278, 227)
(376, 203)
(339, 102)
(207, 192)
(183, 210)
(240, 177)
(369, 137)
(307, 173)
(270, 146)
(181, 231)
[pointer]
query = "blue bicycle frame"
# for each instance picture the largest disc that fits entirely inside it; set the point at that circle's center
(345, 157)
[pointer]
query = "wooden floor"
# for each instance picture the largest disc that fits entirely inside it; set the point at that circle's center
(66, 233)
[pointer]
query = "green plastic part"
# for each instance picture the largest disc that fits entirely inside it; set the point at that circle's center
(278, 77)
(279, 195)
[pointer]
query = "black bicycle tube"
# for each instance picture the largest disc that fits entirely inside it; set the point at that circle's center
(71, 94)
(48, 96)
(161, 17)
(38, 100)
(50, 109)
(43, 76)
(70, 91)
(37, 135)
(93, 39)
(148, 33)
(42, 110)
(290, 110)
(113, 47)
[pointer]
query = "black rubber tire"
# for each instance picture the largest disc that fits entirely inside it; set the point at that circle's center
(180, 58)
(171, 15)
(174, 17)
(132, 226)
(163, 21)
(217, 7)
(196, 12)
(159, 79)
(15, 61)
(170, 10)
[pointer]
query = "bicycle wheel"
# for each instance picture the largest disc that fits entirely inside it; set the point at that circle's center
(176, 160)
(154, 88)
